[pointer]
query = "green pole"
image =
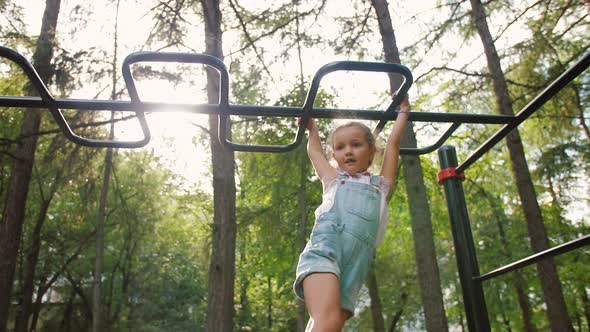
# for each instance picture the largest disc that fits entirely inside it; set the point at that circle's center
(473, 297)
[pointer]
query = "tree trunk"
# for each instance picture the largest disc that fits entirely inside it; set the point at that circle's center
(547, 271)
(14, 212)
(523, 302)
(581, 116)
(126, 278)
(244, 313)
(303, 170)
(22, 320)
(269, 303)
(519, 283)
(45, 283)
(302, 229)
(523, 299)
(37, 306)
(86, 307)
(502, 315)
(398, 313)
(428, 273)
(97, 317)
(66, 320)
(222, 266)
(376, 308)
(585, 304)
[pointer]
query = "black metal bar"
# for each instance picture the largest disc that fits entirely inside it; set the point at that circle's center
(354, 66)
(473, 296)
(176, 57)
(551, 252)
(49, 103)
(249, 110)
(224, 110)
(564, 79)
(433, 147)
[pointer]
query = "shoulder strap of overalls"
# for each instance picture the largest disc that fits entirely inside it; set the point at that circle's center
(376, 180)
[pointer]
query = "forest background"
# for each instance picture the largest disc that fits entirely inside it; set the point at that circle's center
(130, 240)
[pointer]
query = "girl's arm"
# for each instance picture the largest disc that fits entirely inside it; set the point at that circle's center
(391, 155)
(316, 154)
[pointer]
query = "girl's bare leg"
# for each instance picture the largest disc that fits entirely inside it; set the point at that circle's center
(322, 299)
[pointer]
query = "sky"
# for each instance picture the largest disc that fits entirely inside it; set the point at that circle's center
(173, 133)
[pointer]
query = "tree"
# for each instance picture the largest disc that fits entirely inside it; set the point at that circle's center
(222, 268)
(35, 236)
(497, 212)
(14, 213)
(556, 307)
(303, 171)
(428, 273)
(158, 228)
(97, 317)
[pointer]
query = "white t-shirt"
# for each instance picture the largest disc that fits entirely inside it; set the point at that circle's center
(330, 186)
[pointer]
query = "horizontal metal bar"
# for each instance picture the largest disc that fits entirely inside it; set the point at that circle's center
(248, 110)
(558, 250)
(557, 85)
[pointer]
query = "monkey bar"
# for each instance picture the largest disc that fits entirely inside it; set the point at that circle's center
(450, 175)
(224, 109)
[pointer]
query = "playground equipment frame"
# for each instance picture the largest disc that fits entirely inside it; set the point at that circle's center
(450, 175)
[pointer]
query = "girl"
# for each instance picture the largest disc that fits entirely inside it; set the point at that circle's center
(350, 222)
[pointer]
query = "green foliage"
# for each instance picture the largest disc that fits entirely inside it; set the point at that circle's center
(12, 27)
(269, 214)
(158, 236)
(10, 84)
(155, 261)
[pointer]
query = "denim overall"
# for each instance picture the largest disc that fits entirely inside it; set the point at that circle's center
(343, 239)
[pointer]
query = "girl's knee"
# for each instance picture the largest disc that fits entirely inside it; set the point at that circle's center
(332, 321)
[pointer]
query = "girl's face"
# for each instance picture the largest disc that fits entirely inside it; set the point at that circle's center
(352, 151)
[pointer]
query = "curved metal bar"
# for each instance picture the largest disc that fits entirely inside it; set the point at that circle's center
(176, 57)
(224, 125)
(433, 147)
(225, 110)
(308, 111)
(49, 102)
(357, 66)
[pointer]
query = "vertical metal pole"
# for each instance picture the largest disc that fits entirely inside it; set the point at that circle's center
(473, 297)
